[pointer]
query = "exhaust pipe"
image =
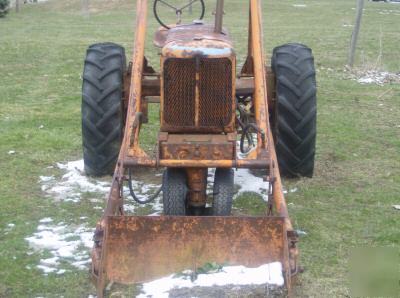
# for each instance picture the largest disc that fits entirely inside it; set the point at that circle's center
(219, 14)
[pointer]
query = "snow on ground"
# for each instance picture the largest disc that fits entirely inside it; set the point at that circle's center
(72, 184)
(248, 182)
(300, 5)
(377, 77)
(372, 76)
(68, 245)
(143, 189)
(390, 11)
(268, 274)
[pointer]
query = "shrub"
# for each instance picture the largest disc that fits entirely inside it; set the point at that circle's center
(4, 7)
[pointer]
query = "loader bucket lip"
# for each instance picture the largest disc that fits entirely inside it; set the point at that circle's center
(138, 249)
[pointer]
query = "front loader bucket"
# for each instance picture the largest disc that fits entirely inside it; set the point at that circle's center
(138, 249)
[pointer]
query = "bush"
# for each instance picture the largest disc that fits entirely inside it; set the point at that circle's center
(4, 7)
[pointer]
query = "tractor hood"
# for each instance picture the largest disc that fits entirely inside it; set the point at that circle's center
(197, 40)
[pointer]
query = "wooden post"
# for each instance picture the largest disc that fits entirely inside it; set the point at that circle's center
(85, 8)
(356, 30)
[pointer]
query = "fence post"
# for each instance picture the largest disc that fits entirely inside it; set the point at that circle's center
(356, 30)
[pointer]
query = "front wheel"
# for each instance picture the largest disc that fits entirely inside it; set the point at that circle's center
(223, 192)
(174, 191)
(295, 110)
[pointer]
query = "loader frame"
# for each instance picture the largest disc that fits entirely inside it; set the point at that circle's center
(142, 86)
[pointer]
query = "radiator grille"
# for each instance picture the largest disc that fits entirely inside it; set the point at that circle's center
(215, 86)
(214, 109)
(179, 91)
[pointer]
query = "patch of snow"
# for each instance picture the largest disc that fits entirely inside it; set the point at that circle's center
(299, 5)
(46, 178)
(11, 225)
(293, 190)
(143, 189)
(11, 152)
(73, 183)
(248, 182)
(397, 207)
(301, 233)
(245, 181)
(46, 269)
(270, 274)
(46, 220)
(41, 126)
(66, 243)
(390, 12)
(376, 77)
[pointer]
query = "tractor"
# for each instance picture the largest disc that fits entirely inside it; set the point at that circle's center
(215, 115)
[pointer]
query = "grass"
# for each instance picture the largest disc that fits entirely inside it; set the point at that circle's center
(346, 205)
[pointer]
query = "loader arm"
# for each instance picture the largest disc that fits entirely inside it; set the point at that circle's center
(124, 245)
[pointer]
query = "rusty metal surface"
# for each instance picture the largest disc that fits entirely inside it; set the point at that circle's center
(243, 85)
(185, 41)
(197, 147)
(160, 37)
(188, 33)
(198, 95)
(219, 15)
(133, 161)
(197, 185)
(140, 249)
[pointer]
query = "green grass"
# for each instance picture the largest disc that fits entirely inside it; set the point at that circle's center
(357, 179)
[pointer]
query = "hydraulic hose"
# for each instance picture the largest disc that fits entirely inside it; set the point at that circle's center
(246, 134)
(135, 197)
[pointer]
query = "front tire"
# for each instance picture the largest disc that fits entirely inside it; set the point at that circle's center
(223, 192)
(102, 107)
(296, 109)
(174, 191)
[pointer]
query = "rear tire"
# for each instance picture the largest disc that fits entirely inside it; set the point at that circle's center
(174, 192)
(102, 107)
(223, 192)
(296, 109)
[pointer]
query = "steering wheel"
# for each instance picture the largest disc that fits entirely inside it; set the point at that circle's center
(190, 6)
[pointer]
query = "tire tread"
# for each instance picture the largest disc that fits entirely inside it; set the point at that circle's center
(102, 109)
(296, 109)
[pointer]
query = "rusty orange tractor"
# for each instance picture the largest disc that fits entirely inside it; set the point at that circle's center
(209, 113)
